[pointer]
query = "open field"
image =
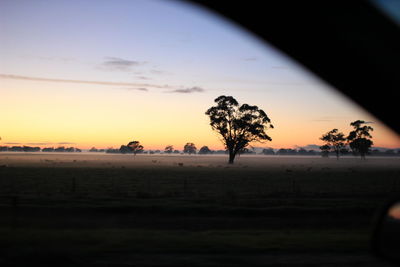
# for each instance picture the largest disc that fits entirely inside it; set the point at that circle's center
(100, 160)
(82, 209)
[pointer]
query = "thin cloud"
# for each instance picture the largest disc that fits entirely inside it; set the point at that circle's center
(60, 59)
(130, 86)
(194, 89)
(143, 78)
(138, 89)
(120, 64)
(66, 143)
(159, 72)
(40, 79)
(12, 143)
(250, 59)
(39, 144)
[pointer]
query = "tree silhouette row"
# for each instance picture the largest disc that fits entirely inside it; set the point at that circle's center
(359, 140)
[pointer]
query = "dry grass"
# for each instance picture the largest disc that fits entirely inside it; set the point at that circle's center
(177, 207)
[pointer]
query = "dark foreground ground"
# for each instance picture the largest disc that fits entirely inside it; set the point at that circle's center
(198, 211)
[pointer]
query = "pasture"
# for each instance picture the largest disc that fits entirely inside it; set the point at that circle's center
(90, 208)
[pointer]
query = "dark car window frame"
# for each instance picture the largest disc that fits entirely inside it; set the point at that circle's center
(352, 45)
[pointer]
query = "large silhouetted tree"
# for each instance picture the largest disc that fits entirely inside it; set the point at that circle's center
(360, 139)
(335, 141)
(238, 125)
(135, 147)
(189, 148)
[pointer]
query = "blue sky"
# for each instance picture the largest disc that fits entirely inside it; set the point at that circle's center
(162, 36)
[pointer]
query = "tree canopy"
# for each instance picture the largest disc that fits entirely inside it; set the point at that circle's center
(334, 141)
(237, 125)
(360, 138)
(205, 150)
(169, 149)
(189, 148)
(135, 147)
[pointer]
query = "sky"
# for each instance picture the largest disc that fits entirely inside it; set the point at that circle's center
(103, 73)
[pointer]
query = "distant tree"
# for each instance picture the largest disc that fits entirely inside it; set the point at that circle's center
(390, 152)
(59, 149)
(268, 151)
(15, 149)
(245, 151)
(376, 152)
(70, 149)
(124, 149)
(189, 148)
(335, 140)
(169, 149)
(205, 150)
(237, 125)
(176, 151)
(282, 151)
(135, 147)
(93, 149)
(30, 149)
(48, 149)
(302, 152)
(112, 150)
(286, 151)
(325, 151)
(311, 152)
(344, 151)
(360, 138)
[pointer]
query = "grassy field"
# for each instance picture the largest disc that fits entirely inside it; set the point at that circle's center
(178, 210)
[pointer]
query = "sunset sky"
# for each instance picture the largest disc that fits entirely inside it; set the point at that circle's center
(103, 73)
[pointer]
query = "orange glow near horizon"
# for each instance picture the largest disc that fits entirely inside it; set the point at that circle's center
(109, 119)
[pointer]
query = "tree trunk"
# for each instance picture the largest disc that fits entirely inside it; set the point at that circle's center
(231, 157)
